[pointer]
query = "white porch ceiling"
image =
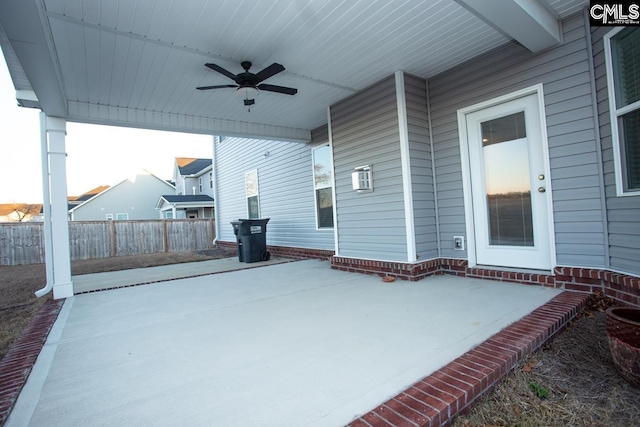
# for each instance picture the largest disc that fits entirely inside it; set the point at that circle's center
(137, 63)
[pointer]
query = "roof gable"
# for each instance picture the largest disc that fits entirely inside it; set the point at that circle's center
(191, 166)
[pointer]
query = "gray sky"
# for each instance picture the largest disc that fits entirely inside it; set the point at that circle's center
(96, 155)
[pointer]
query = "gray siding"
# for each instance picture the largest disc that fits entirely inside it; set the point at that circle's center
(564, 72)
(623, 212)
(365, 131)
(285, 181)
(424, 213)
(136, 198)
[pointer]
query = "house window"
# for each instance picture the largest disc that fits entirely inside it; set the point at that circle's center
(210, 179)
(122, 216)
(323, 186)
(622, 52)
(109, 217)
(200, 185)
(168, 215)
(251, 191)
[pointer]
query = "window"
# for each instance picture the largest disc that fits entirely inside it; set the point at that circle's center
(622, 52)
(168, 215)
(210, 179)
(122, 216)
(109, 217)
(200, 185)
(251, 190)
(323, 186)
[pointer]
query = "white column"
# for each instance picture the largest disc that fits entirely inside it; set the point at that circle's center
(56, 131)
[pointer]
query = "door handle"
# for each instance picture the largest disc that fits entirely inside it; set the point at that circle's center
(541, 189)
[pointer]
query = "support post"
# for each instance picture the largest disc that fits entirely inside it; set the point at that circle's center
(57, 130)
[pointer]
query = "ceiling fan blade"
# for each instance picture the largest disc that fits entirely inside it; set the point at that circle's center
(215, 87)
(278, 89)
(221, 70)
(271, 70)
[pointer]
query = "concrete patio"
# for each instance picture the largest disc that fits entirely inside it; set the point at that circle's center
(289, 344)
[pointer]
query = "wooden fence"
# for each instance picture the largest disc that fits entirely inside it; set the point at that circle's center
(23, 243)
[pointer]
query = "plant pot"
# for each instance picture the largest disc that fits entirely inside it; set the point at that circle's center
(623, 331)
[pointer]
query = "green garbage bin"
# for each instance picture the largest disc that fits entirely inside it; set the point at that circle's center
(252, 235)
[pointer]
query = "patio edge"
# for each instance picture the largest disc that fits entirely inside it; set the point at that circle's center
(18, 363)
(453, 389)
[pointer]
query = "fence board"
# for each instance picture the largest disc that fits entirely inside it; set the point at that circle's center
(23, 243)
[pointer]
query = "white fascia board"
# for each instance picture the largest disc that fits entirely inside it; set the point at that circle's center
(526, 21)
(29, 37)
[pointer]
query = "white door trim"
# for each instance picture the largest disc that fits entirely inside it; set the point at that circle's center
(466, 172)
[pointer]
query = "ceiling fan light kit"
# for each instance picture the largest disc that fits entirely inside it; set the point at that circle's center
(248, 85)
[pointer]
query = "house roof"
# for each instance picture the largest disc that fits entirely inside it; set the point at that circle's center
(187, 198)
(191, 166)
(56, 52)
(89, 194)
(25, 208)
(111, 188)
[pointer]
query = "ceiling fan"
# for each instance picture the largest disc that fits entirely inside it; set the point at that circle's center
(249, 84)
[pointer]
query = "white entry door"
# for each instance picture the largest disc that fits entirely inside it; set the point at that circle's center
(509, 185)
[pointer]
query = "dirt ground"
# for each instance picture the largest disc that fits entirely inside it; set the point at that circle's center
(572, 381)
(18, 303)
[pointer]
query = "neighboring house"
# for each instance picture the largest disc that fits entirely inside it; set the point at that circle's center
(193, 196)
(132, 198)
(508, 161)
(19, 212)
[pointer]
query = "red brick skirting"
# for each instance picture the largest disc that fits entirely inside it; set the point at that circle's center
(621, 287)
(452, 389)
(17, 364)
(287, 252)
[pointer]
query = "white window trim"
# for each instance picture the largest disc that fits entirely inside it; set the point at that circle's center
(614, 113)
(257, 192)
(331, 185)
(109, 217)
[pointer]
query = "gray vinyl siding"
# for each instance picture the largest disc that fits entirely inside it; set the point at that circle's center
(285, 183)
(571, 130)
(136, 198)
(365, 132)
(424, 214)
(623, 213)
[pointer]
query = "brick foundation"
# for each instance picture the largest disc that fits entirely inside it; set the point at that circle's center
(621, 287)
(287, 252)
(17, 364)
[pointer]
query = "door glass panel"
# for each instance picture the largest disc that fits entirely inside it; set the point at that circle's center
(508, 188)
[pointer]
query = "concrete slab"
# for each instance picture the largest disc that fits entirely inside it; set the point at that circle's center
(117, 279)
(294, 344)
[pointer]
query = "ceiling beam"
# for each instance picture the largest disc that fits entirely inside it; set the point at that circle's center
(526, 21)
(128, 117)
(25, 33)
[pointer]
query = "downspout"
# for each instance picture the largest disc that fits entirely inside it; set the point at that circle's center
(433, 171)
(46, 208)
(216, 214)
(598, 141)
